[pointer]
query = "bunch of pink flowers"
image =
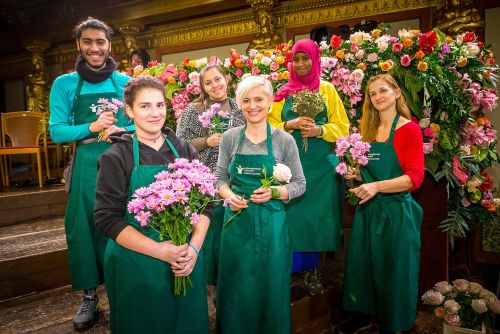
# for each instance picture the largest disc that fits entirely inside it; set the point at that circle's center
(171, 205)
(104, 105)
(213, 118)
(352, 152)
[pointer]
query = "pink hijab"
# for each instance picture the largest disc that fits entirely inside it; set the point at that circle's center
(296, 82)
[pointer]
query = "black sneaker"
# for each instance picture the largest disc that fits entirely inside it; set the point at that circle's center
(313, 283)
(354, 325)
(87, 313)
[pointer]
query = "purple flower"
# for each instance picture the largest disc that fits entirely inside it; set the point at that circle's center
(143, 217)
(341, 168)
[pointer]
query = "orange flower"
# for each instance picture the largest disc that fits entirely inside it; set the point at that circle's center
(280, 59)
(492, 208)
(376, 32)
(474, 150)
(361, 66)
(280, 75)
(385, 66)
(439, 312)
(407, 43)
(238, 63)
(259, 56)
(486, 75)
(286, 75)
(171, 80)
(419, 54)
(422, 66)
(267, 54)
(462, 61)
(435, 127)
(480, 121)
(339, 54)
(448, 39)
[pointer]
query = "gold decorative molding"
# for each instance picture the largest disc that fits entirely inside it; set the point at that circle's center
(306, 12)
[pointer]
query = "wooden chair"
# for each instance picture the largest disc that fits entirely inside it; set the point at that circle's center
(24, 129)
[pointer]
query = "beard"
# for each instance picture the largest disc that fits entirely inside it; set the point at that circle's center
(91, 64)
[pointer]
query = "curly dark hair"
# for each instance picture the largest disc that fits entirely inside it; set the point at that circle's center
(137, 84)
(142, 54)
(92, 23)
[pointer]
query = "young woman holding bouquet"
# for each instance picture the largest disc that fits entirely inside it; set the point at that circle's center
(214, 89)
(381, 275)
(253, 286)
(315, 219)
(138, 267)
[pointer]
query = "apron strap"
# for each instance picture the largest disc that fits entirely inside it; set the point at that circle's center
(135, 145)
(269, 140)
(393, 128)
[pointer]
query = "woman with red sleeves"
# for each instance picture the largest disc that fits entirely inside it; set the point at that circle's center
(381, 275)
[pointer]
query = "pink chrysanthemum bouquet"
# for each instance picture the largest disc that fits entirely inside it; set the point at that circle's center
(352, 153)
(171, 205)
(213, 118)
(104, 105)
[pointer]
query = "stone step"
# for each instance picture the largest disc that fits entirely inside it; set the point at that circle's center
(50, 312)
(19, 206)
(32, 257)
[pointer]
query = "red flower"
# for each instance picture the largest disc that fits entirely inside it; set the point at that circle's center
(480, 44)
(487, 183)
(336, 42)
(469, 37)
(427, 42)
(459, 172)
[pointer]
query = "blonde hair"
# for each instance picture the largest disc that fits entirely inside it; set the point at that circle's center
(370, 118)
(250, 83)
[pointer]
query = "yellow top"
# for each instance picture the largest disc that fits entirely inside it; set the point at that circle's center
(338, 123)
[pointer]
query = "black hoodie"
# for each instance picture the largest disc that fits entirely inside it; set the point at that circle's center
(115, 168)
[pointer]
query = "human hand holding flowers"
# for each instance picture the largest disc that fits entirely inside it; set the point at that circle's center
(106, 111)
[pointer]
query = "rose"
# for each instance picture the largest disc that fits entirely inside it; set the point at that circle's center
(422, 66)
(397, 47)
(473, 286)
(451, 306)
(428, 148)
(282, 173)
(479, 305)
(494, 304)
(472, 49)
(452, 320)
(357, 75)
(486, 294)
(406, 60)
(419, 55)
(443, 287)
(336, 42)
(427, 42)
(469, 37)
(462, 285)
(432, 297)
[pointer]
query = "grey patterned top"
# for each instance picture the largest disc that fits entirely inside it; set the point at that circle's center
(190, 129)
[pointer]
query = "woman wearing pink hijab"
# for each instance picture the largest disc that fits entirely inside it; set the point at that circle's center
(315, 219)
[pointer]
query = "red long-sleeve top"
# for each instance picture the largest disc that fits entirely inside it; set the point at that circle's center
(409, 147)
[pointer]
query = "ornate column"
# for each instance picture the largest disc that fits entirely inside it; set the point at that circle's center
(458, 16)
(36, 83)
(129, 33)
(267, 37)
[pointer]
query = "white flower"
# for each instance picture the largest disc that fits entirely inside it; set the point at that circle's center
(201, 62)
(432, 297)
(451, 306)
(424, 122)
(357, 75)
(360, 54)
(462, 285)
(473, 286)
(282, 173)
(323, 45)
(465, 149)
(479, 305)
(443, 287)
(460, 39)
(472, 49)
(405, 34)
(266, 61)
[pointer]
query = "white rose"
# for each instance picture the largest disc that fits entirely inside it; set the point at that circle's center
(424, 123)
(465, 149)
(432, 297)
(282, 173)
(443, 287)
(473, 286)
(494, 304)
(462, 285)
(266, 61)
(472, 49)
(479, 305)
(451, 306)
(357, 75)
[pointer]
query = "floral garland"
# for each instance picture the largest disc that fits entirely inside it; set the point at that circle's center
(449, 84)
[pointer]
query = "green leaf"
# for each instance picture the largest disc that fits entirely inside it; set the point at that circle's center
(482, 154)
(432, 164)
(170, 89)
(448, 138)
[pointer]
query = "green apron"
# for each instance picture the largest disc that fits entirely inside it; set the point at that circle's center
(140, 288)
(85, 245)
(253, 287)
(381, 275)
(211, 245)
(315, 219)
